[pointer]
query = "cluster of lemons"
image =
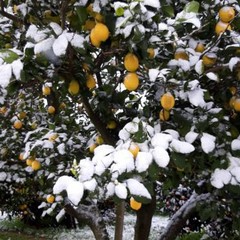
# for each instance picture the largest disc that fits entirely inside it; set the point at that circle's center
(31, 161)
(226, 15)
(234, 102)
(167, 102)
(131, 64)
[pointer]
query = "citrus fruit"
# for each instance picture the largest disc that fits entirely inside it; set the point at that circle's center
(236, 104)
(151, 53)
(18, 124)
(3, 110)
(226, 14)
(29, 161)
(74, 87)
(181, 54)
(209, 59)
(231, 101)
(131, 81)
(94, 39)
(46, 90)
(50, 198)
(53, 137)
(164, 115)
(221, 27)
(22, 115)
(89, 25)
(36, 165)
(99, 140)
(134, 149)
(134, 204)
(91, 82)
(92, 147)
(167, 101)
(131, 62)
(20, 157)
(199, 48)
(111, 124)
(51, 110)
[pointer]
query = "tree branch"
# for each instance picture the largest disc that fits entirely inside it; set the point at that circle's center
(63, 12)
(182, 215)
(8, 15)
(89, 215)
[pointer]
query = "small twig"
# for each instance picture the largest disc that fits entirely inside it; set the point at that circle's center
(8, 15)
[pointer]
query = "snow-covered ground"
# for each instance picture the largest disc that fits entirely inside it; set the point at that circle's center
(158, 222)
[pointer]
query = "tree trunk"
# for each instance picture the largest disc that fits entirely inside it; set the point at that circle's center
(179, 219)
(89, 215)
(120, 210)
(144, 220)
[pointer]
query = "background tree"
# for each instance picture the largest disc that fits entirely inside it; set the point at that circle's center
(103, 99)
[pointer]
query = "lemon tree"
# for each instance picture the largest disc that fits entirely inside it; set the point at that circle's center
(110, 101)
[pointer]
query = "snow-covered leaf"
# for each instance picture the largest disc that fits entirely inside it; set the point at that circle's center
(75, 192)
(160, 156)
(220, 177)
(143, 160)
(212, 76)
(6, 74)
(182, 147)
(121, 191)
(235, 144)
(86, 169)
(153, 74)
(161, 139)
(90, 185)
(60, 45)
(233, 61)
(137, 188)
(8, 56)
(208, 142)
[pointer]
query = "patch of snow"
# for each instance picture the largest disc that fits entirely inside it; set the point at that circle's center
(220, 177)
(181, 146)
(235, 144)
(121, 191)
(208, 142)
(160, 156)
(137, 188)
(143, 160)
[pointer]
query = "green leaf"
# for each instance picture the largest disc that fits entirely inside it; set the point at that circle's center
(82, 15)
(119, 12)
(8, 56)
(168, 11)
(12, 87)
(192, 7)
(140, 136)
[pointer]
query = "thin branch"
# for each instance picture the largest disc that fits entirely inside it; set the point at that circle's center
(8, 15)
(63, 12)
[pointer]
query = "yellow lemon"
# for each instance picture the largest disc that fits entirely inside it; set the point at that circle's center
(199, 48)
(74, 87)
(226, 14)
(236, 104)
(134, 204)
(91, 82)
(100, 32)
(181, 54)
(50, 198)
(111, 124)
(131, 62)
(151, 53)
(99, 140)
(167, 101)
(51, 110)
(22, 115)
(18, 124)
(36, 165)
(3, 110)
(20, 157)
(29, 161)
(209, 59)
(92, 147)
(131, 81)
(221, 27)
(46, 90)
(134, 149)
(164, 115)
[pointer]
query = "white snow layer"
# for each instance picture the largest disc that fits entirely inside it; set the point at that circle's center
(160, 156)
(220, 177)
(143, 160)
(73, 188)
(137, 188)
(121, 191)
(208, 142)
(181, 146)
(235, 144)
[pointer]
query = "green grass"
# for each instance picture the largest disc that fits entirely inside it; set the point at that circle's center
(19, 236)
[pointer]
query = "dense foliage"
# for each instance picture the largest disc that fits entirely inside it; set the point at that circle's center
(103, 126)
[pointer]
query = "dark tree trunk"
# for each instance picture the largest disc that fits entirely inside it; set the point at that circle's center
(144, 220)
(179, 219)
(120, 210)
(89, 215)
